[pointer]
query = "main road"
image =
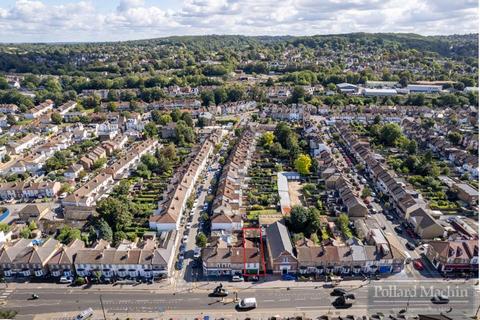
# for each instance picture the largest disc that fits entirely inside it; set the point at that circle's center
(154, 303)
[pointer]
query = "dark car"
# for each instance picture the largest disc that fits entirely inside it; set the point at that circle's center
(180, 264)
(389, 217)
(219, 292)
(341, 302)
(253, 278)
(410, 246)
(288, 277)
(338, 292)
(398, 229)
(349, 296)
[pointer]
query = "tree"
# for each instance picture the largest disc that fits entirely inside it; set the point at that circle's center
(298, 95)
(187, 117)
(99, 163)
(6, 158)
(32, 225)
(298, 218)
(267, 139)
(150, 130)
(165, 119)
(366, 192)
(68, 234)
(176, 115)
(4, 227)
(115, 212)
(220, 95)
(26, 233)
(56, 118)
(303, 164)
(184, 133)
(455, 137)
(207, 97)
(313, 221)
(169, 152)
(343, 223)
(201, 240)
(305, 220)
(156, 115)
(104, 230)
(202, 122)
(11, 119)
(412, 147)
(389, 134)
(112, 107)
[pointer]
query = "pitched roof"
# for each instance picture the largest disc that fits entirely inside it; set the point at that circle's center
(278, 239)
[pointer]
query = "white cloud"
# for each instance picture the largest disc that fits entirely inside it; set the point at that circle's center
(36, 20)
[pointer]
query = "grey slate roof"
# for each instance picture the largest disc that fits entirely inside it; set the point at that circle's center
(278, 239)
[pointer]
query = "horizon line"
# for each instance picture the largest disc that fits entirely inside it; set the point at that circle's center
(232, 35)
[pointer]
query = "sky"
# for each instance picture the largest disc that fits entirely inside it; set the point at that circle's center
(115, 20)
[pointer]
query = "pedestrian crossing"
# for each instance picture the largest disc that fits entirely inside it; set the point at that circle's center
(4, 294)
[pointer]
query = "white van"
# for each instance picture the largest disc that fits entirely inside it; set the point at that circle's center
(247, 303)
(85, 314)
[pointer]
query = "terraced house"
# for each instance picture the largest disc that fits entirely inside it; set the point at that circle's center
(168, 215)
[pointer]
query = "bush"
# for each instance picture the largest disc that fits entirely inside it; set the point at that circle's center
(8, 314)
(79, 281)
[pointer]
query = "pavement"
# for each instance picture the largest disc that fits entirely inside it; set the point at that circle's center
(288, 299)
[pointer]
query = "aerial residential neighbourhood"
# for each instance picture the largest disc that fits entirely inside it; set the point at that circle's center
(329, 176)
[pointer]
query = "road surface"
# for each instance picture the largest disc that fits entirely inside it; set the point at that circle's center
(277, 301)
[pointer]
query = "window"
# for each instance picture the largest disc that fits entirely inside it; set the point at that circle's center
(285, 260)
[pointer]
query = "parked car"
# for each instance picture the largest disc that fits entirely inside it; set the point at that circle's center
(288, 277)
(389, 217)
(180, 264)
(237, 278)
(185, 238)
(85, 314)
(417, 264)
(440, 299)
(189, 225)
(398, 229)
(197, 252)
(66, 280)
(410, 246)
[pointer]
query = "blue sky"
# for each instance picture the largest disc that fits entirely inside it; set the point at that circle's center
(114, 20)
